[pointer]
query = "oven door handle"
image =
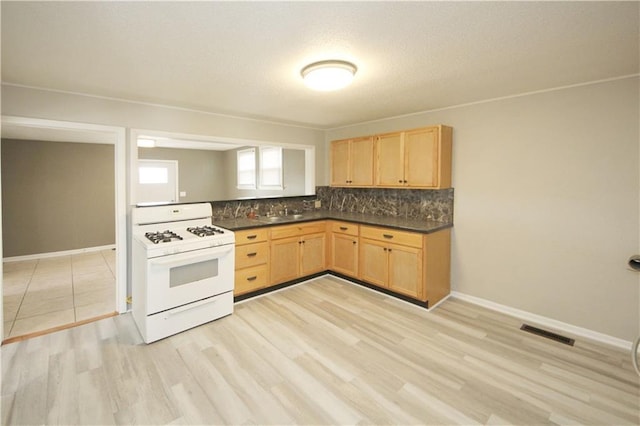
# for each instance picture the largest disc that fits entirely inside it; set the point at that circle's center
(191, 306)
(192, 256)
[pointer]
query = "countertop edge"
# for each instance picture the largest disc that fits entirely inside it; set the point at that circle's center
(391, 222)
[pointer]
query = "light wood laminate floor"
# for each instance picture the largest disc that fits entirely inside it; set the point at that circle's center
(45, 293)
(323, 352)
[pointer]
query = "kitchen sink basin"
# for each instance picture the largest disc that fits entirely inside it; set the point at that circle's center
(272, 219)
(279, 219)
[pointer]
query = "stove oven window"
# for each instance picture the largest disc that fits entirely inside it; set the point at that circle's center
(181, 275)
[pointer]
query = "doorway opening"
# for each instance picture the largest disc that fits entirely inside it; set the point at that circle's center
(64, 224)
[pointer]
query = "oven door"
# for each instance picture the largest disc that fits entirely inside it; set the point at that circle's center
(179, 279)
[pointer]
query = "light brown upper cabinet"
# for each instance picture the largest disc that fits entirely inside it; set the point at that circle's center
(419, 158)
(352, 162)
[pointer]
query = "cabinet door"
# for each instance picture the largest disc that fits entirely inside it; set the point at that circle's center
(373, 262)
(284, 259)
(344, 254)
(405, 270)
(312, 255)
(340, 163)
(389, 160)
(361, 162)
(421, 157)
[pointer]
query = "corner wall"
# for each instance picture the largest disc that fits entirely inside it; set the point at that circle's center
(546, 210)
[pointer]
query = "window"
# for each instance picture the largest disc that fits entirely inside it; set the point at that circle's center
(247, 168)
(153, 174)
(157, 181)
(271, 167)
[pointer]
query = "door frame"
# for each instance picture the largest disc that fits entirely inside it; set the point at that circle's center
(113, 135)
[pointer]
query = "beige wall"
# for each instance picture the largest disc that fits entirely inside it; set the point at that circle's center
(201, 173)
(547, 189)
(25, 102)
(57, 196)
(546, 201)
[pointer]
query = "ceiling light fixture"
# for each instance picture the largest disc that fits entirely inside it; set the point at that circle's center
(328, 75)
(146, 143)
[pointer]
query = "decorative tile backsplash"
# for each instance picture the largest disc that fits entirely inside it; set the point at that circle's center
(427, 204)
(261, 206)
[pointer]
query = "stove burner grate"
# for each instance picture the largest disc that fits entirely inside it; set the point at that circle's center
(205, 231)
(162, 237)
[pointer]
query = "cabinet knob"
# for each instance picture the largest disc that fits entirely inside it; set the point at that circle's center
(399, 180)
(354, 242)
(385, 249)
(405, 181)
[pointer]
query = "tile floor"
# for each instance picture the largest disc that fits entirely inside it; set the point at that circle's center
(50, 292)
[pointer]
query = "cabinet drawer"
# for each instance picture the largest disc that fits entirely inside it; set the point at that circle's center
(251, 254)
(249, 236)
(344, 228)
(296, 230)
(250, 279)
(392, 236)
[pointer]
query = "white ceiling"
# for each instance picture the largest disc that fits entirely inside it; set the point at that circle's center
(244, 58)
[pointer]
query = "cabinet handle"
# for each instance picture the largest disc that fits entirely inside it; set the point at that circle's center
(251, 237)
(343, 228)
(251, 254)
(388, 236)
(253, 278)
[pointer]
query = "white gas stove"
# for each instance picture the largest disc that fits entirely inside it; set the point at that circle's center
(183, 269)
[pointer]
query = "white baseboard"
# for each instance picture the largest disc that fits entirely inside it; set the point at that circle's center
(545, 321)
(58, 253)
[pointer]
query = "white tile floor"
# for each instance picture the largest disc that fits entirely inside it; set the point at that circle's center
(46, 293)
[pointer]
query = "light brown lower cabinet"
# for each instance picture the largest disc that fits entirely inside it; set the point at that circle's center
(297, 251)
(252, 261)
(393, 266)
(408, 263)
(343, 247)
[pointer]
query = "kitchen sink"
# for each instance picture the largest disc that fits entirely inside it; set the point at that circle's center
(272, 219)
(279, 219)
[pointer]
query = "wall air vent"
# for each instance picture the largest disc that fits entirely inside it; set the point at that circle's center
(547, 334)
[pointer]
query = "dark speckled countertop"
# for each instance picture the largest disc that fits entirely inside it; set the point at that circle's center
(406, 224)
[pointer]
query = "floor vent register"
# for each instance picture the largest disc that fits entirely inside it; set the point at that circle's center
(548, 334)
